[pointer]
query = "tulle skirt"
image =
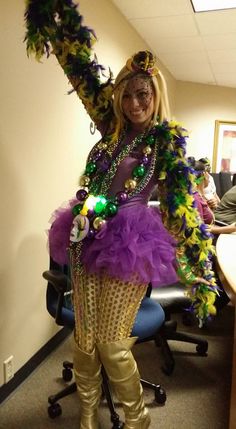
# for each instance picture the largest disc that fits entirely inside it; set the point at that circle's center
(134, 244)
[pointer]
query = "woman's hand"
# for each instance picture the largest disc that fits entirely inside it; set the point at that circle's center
(212, 203)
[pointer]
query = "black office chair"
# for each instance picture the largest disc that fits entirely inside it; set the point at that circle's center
(173, 300)
(216, 178)
(225, 182)
(234, 179)
(149, 319)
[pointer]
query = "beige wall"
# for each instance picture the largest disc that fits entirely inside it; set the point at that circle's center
(44, 138)
(197, 107)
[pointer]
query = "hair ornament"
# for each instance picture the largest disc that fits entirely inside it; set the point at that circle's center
(143, 62)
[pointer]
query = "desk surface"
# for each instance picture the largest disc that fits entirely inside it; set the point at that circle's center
(226, 256)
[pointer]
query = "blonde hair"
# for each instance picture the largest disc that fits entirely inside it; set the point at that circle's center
(161, 101)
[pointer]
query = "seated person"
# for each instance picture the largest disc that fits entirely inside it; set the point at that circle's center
(226, 209)
(207, 215)
(210, 190)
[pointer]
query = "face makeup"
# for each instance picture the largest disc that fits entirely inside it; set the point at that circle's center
(138, 101)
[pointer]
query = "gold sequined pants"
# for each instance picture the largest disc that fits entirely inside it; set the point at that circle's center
(105, 308)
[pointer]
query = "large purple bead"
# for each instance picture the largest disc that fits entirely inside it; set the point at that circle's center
(96, 156)
(144, 160)
(81, 194)
(121, 197)
(104, 165)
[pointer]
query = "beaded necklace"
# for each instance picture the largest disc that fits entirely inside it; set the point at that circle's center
(94, 208)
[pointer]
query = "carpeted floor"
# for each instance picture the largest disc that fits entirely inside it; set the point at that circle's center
(198, 391)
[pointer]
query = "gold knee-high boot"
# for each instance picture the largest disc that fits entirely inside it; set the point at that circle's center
(121, 369)
(87, 370)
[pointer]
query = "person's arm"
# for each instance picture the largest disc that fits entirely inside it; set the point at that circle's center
(204, 210)
(55, 27)
(217, 198)
(227, 229)
(213, 202)
(181, 218)
(214, 199)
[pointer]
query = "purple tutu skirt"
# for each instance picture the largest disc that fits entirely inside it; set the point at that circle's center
(134, 244)
(59, 233)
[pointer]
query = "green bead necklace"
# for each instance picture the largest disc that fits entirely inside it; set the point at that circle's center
(92, 201)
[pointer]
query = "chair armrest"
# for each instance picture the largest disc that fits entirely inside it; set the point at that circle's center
(58, 280)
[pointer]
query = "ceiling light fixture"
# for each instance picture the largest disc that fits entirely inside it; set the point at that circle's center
(209, 5)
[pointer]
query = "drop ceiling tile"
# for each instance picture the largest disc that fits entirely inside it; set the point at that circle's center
(151, 8)
(222, 41)
(201, 75)
(194, 47)
(172, 26)
(222, 56)
(188, 60)
(220, 22)
(177, 44)
(223, 68)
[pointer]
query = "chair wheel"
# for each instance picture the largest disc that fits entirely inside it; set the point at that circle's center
(157, 341)
(202, 349)
(54, 410)
(118, 425)
(67, 374)
(115, 419)
(160, 395)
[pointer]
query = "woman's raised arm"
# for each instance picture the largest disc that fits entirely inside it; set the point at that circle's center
(55, 27)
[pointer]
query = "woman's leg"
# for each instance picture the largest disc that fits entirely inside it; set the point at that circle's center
(119, 303)
(87, 364)
(105, 310)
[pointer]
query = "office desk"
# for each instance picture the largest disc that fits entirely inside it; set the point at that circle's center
(226, 256)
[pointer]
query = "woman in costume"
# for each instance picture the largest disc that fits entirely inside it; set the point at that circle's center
(117, 244)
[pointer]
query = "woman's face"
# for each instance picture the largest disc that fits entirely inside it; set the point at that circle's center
(138, 102)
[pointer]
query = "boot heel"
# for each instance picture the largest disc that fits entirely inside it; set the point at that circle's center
(144, 423)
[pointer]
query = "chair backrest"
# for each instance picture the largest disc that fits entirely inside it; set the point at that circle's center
(149, 319)
(234, 180)
(58, 296)
(216, 178)
(225, 182)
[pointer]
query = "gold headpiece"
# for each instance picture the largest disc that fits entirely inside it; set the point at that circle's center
(143, 62)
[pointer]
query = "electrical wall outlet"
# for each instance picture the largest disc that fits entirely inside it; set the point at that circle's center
(8, 369)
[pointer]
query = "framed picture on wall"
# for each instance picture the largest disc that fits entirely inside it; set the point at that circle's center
(224, 153)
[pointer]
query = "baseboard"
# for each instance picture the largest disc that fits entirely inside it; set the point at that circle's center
(32, 364)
